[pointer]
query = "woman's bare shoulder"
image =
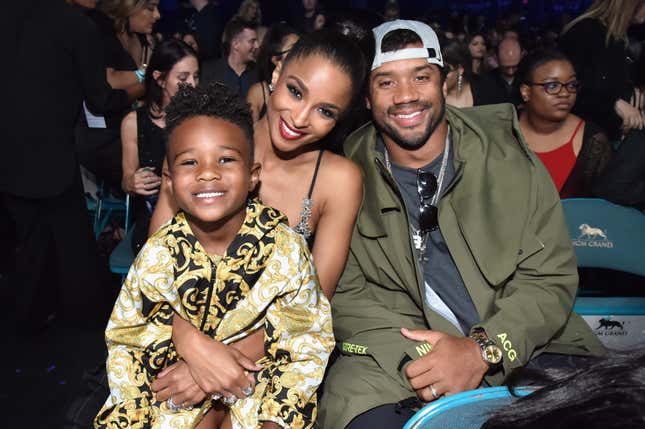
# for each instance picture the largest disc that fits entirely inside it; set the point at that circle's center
(339, 173)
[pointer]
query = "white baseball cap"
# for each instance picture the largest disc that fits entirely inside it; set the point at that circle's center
(431, 49)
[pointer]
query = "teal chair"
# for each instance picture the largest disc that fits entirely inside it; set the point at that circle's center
(606, 235)
(465, 410)
(103, 206)
(122, 256)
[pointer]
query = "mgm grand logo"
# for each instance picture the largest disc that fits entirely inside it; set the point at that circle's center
(592, 237)
(608, 327)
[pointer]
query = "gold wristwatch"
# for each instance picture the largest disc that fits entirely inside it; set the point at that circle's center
(491, 353)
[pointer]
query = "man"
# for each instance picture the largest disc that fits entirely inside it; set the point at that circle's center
(40, 183)
(206, 22)
(236, 69)
(500, 85)
(460, 240)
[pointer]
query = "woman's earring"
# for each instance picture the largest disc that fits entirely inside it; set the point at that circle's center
(271, 88)
(460, 83)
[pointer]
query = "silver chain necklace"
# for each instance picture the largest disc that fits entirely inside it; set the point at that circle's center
(421, 241)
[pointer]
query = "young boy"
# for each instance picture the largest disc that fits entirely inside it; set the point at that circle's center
(229, 268)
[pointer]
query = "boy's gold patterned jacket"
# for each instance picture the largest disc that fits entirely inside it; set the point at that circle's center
(266, 280)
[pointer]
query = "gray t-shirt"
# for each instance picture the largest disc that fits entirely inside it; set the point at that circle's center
(440, 274)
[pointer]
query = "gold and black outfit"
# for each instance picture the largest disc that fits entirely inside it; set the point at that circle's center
(266, 280)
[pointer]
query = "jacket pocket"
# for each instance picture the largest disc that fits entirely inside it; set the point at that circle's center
(530, 245)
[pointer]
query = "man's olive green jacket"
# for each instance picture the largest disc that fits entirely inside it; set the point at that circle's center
(503, 223)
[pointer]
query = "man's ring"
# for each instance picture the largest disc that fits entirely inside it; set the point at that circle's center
(172, 406)
(433, 391)
(248, 391)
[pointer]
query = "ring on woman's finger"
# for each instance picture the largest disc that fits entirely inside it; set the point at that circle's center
(216, 397)
(248, 391)
(229, 400)
(172, 407)
(186, 406)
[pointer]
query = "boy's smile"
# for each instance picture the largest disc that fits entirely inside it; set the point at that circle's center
(211, 175)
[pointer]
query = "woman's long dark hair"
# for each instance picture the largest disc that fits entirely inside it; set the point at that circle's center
(607, 393)
(457, 54)
(163, 59)
(272, 46)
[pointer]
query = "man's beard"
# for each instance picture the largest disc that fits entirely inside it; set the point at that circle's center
(412, 144)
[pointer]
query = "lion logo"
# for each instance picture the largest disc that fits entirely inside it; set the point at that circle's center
(610, 324)
(591, 233)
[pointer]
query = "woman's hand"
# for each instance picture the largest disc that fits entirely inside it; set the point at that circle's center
(177, 383)
(215, 367)
(631, 116)
(143, 182)
(218, 368)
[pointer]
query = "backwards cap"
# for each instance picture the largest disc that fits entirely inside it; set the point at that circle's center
(431, 49)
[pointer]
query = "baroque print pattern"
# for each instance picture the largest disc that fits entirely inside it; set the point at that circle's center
(265, 280)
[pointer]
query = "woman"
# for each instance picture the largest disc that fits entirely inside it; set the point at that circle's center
(459, 80)
(573, 151)
(275, 47)
(596, 42)
(477, 49)
(173, 63)
(320, 192)
(123, 25)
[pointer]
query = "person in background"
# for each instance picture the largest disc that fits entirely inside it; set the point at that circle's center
(123, 25)
(206, 22)
(312, 18)
(596, 42)
(501, 85)
(236, 69)
(172, 64)
(277, 44)
(391, 11)
(573, 150)
(623, 179)
(191, 40)
(56, 267)
(251, 11)
(477, 49)
(460, 85)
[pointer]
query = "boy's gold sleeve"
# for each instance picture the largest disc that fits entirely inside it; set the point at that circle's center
(138, 337)
(299, 339)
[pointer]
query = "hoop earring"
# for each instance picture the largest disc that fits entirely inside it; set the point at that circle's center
(460, 83)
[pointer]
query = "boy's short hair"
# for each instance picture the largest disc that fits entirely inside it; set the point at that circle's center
(214, 100)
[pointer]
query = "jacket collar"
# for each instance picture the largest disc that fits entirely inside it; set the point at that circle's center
(487, 160)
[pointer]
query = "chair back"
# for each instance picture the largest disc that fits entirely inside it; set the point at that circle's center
(606, 235)
(465, 410)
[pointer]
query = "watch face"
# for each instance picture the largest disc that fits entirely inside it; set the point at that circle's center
(493, 354)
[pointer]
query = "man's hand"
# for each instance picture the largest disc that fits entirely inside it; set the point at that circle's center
(453, 365)
(177, 383)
